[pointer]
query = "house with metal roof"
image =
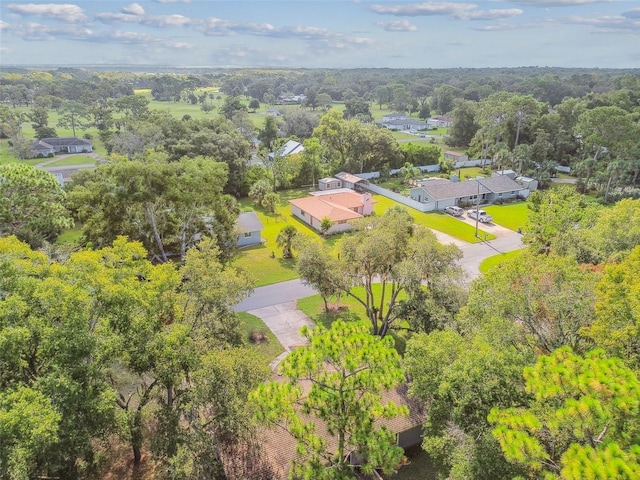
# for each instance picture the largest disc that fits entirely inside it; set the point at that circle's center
(289, 148)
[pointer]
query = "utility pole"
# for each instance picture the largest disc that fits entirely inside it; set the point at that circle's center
(477, 205)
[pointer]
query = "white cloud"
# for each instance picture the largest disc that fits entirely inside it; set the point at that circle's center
(425, 8)
(491, 14)
(558, 3)
(167, 21)
(459, 11)
(605, 24)
(398, 26)
(149, 20)
(133, 9)
(172, 1)
(63, 12)
(118, 18)
(4, 25)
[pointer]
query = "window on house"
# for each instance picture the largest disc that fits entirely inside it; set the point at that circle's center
(247, 234)
(302, 213)
(500, 194)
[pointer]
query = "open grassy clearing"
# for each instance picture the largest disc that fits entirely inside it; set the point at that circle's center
(270, 347)
(420, 466)
(70, 236)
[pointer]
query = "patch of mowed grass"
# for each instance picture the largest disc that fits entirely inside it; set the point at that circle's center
(253, 328)
(265, 261)
(72, 160)
(264, 268)
(490, 263)
(510, 215)
(435, 220)
(420, 466)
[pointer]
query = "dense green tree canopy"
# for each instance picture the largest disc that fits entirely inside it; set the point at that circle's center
(582, 423)
(32, 204)
(337, 380)
(538, 303)
(165, 205)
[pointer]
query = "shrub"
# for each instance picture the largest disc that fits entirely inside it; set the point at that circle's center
(257, 337)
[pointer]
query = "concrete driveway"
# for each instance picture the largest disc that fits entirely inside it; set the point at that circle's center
(285, 321)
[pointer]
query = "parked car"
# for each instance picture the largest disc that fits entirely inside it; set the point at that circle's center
(455, 211)
(480, 215)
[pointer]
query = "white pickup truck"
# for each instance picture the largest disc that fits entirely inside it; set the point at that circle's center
(481, 215)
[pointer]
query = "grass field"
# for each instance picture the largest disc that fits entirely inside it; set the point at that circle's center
(349, 309)
(265, 261)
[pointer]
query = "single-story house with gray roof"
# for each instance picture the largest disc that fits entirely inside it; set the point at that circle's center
(249, 229)
(50, 146)
(443, 193)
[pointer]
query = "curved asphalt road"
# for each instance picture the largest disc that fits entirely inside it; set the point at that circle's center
(474, 254)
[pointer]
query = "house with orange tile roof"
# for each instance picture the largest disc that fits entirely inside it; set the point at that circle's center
(338, 205)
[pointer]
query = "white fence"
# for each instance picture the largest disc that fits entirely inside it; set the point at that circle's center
(421, 207)
(472, 163)
(427, 168)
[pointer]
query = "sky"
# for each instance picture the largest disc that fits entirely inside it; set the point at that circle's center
(322, 33)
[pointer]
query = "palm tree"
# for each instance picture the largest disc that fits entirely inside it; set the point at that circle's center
(285, 239)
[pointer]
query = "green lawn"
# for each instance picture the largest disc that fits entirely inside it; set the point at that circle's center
(348, 309)
(510, 215)
(491, 262)
(251, 324)
(71, 160)
(265, 261)
(436, 220)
